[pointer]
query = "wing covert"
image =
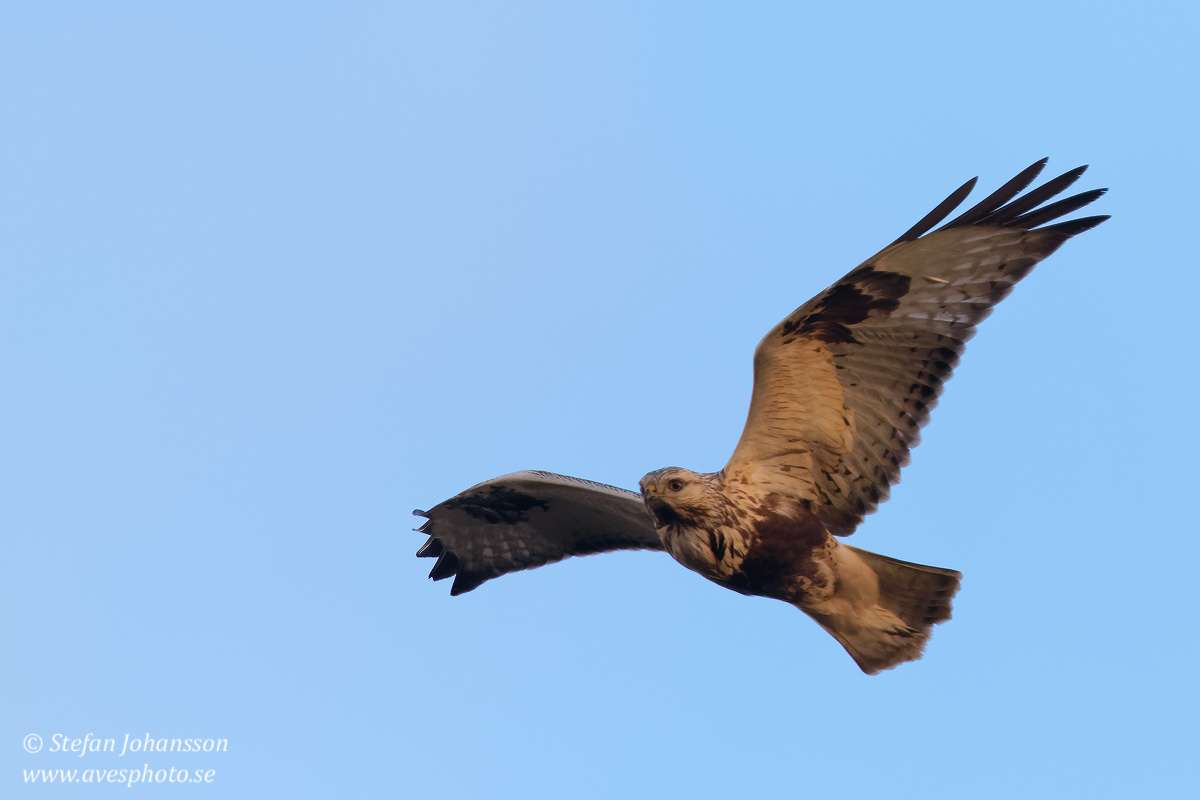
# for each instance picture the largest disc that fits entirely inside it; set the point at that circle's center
(527, 519)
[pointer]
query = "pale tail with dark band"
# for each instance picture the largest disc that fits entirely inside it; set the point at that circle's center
(912, 599)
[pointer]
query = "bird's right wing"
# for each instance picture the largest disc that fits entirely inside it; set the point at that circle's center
(844, 384)
(527, 519)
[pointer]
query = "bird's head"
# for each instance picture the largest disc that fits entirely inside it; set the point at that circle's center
(677, 496)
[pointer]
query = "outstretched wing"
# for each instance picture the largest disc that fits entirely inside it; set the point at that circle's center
(527, 519)
(844, 384)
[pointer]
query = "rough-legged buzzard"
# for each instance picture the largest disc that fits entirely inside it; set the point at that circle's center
(841, 389)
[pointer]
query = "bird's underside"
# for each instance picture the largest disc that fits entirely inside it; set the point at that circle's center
(841, 390)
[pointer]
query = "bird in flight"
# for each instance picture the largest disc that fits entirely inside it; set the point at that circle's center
(842, 387)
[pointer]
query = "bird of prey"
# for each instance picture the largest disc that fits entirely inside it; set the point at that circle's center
(841, 390)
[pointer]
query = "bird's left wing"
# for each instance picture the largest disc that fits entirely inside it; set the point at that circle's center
(527, 519)
(844, 384)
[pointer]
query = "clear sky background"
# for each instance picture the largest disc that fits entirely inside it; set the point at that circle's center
(273, 275)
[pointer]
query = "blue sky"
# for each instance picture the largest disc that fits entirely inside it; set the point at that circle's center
(273, 275)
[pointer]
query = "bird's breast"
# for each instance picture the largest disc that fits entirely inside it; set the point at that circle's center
(715, 552)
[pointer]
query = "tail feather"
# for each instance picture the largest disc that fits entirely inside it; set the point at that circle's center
(894, 629)
(918, 594)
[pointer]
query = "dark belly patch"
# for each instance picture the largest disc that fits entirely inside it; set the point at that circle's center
(780, 562)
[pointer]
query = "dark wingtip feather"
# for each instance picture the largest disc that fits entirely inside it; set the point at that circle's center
(446, 565)
(1077, 226)
(1004, 207)
(461, 586)
(1033, 199)
(431, 548)
(999, 197)
(1056, 209)
(419, 513)
(939, 213)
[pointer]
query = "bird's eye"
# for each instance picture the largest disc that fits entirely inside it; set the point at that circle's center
(675, 485)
